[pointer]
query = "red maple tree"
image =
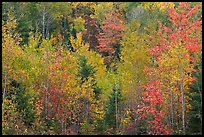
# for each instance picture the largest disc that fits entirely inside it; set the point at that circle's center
(151, 108)
(112, 28)
(184, 29)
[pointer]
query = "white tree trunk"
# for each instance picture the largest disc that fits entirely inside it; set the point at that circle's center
(116, 108)
(182, 94)
(36, 25)
(43, 22)
(172, 110)
(5, 80)
(47, 85)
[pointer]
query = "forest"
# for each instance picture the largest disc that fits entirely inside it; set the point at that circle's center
(101, 68)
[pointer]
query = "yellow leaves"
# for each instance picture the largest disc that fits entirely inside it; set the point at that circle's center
(79, 24)
(97, 110)
(10, 24)
(135, 57)
(33, 41)
(162, 6)
(46, 44)
(9, 113)
(127, 119)
(102, 9)
(77, 43)
(93, 58)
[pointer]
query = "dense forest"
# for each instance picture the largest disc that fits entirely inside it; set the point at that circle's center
(102, 68)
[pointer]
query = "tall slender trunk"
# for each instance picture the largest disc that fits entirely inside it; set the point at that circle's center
(183, 101)
(62, 126)
(172, 111)
(5, 78)
(87, 115)
(178, 114)
(43, 22)
(200, 91)
(47, 29)
(182, 94)
(47, 85)
(116, 112)
(139, 89)
(60, 96)
(5, 81)
(36, 25)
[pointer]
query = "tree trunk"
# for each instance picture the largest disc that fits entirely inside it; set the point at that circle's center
(87, 116)
(47, 86)
(43, 22)
(139, 89)
(116, 113)
(200, 91)
(47, 29)
(61, 96)
(62, 126)
(172, 111)
(5, 80)
(36, 25)
(182, 95)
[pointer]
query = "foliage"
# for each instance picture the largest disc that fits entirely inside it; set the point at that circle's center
(108, 40)
(127, 68)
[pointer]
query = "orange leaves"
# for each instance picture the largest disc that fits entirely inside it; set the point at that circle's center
(54, 40)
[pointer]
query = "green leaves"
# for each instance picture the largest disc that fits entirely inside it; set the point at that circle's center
(101, 68)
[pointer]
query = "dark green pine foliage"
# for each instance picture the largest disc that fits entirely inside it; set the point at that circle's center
(110, 113)
(86, 71)
(195, 122)
(73, 31)
(25, 20)
(25, 109)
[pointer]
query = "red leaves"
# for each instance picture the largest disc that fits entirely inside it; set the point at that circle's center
(167, 29)
(185, 27)
(112, 28)
(194, 79)
(153, 98)
(193, 10)
(184, 31)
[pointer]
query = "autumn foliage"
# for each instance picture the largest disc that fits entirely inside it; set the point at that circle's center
(152, 109)
(95, 68)
(112, 28)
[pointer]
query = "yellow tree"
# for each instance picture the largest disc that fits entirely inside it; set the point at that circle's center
(10, 52)
(134, 58)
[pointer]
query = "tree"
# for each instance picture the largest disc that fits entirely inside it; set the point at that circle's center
(91, 74)
(184, 29)
(92, 32)
(195, 115)
(151, 110)
(108, 39)
(111, 114)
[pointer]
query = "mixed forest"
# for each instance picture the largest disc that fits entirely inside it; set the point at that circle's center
(102, 68)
